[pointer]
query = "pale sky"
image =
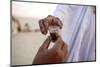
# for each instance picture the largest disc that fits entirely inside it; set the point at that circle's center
(27, 9)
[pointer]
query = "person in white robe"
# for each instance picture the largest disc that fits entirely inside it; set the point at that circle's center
(78, 31)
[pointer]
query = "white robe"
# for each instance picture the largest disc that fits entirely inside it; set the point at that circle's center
(78, 31)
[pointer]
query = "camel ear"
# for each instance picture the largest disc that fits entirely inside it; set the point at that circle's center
(60, 24)
(42, 27)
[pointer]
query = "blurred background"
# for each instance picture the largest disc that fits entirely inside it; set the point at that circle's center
(26, 35)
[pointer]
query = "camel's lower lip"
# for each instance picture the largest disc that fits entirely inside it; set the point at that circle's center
(53, 37)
